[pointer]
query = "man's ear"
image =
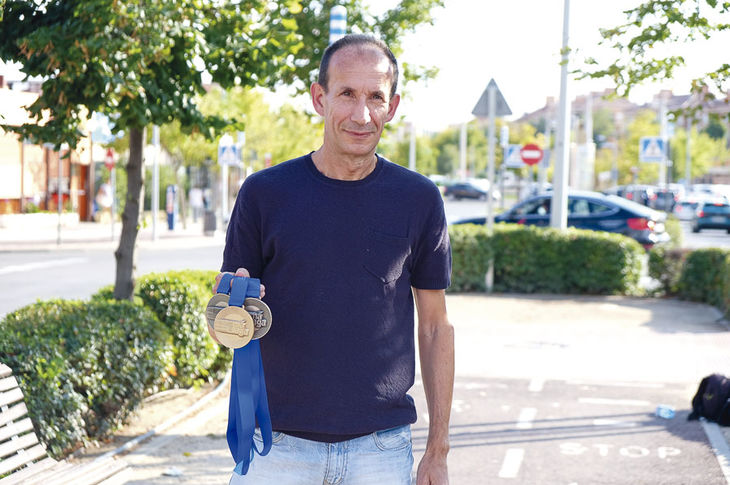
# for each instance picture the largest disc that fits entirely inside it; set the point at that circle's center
(317, 92)
(393, 106)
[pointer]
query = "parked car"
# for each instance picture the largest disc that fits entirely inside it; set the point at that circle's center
(641, 194)
(685, 209)
(590, 210)
(471, 189)
(712, 215)
(666, 198)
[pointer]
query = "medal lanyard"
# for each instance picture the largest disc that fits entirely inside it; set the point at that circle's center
(248, 403)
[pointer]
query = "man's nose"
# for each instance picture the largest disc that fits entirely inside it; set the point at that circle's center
(360, 112)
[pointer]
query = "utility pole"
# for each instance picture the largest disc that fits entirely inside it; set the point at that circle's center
(559, 206)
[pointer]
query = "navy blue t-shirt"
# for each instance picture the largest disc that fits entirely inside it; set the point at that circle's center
(338, 259)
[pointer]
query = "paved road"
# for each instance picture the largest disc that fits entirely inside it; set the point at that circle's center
(76, 270)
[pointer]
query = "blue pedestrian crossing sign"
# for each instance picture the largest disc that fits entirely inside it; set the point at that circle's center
(512, 157)
(651, 149)
(229, 155)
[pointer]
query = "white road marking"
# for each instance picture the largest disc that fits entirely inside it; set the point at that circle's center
(527, 416)
(17, 268)
(719, 447)
(512, 463)
(614, 422)
(652, 385)
(536, 384)
(613, 402)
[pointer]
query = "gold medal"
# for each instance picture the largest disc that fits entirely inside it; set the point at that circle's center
(234, 327)
(215, 305)
(261, 314)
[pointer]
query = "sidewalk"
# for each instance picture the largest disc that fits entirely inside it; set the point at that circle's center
(86, 235)
(499, 337)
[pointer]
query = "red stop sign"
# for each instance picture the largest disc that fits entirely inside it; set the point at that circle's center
(531, 154)
(109, 158)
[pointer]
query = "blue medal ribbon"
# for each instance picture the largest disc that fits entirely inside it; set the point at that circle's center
(248, 404)
(224, 285)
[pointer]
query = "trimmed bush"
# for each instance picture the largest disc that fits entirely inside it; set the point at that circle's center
(83, 366)
(706, 277)
(673, 226)
(470, 252)
(530, 259)
(204, 281)
(665, 266)
(179, 300)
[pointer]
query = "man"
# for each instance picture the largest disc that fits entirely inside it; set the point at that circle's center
(344, 241)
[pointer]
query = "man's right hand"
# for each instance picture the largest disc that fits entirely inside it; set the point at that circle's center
(239, 272)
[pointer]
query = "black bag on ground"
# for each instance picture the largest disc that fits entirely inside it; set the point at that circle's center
(712, 400)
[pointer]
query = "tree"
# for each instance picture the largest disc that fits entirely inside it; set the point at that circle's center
(663, 24)
(142, 63)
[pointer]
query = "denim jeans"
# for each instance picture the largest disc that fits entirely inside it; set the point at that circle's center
(381, 458)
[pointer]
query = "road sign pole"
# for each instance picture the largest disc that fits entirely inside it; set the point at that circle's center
(688, 156)
(59, 196)
(462, 152)
(504, 143)
(155, 180)
(663, 136)
(545, 164)
(558, 212)
(412, 148)
(492, 101)
(114, 197)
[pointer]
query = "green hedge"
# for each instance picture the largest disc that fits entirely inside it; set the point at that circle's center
(178, 299)
(705, 277)
(179, 303)
(530, 259)
(470, 252)
(665, 266)
(83, 366)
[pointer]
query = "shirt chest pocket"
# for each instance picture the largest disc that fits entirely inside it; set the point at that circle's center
(386, 256)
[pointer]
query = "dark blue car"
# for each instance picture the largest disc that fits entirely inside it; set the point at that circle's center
(590, 210)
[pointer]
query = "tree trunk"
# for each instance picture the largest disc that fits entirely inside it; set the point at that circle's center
(125, 253)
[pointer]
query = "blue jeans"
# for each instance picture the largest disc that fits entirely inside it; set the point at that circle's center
(381, 458)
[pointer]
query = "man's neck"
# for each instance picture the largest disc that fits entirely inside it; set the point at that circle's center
(347, 168)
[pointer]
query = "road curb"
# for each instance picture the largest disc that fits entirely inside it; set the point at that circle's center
(719, 446)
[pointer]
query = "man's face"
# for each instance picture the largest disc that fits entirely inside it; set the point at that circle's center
(357, 103)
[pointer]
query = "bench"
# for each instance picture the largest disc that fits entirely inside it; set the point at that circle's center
(23, 459)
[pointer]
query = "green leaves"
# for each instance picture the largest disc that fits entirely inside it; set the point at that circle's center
(653, 27)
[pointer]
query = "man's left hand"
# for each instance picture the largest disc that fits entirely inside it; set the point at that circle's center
(432, 470)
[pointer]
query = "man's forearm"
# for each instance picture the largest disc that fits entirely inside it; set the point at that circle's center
(436, 349)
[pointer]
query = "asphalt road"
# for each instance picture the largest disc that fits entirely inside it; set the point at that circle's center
(26, 276)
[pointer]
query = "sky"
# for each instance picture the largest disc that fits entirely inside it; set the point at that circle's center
(517, 43)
